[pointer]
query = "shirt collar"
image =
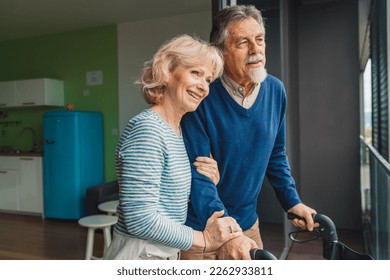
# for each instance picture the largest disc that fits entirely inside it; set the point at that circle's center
(235, 89)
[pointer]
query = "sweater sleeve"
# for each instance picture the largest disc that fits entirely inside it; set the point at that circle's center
(278, 170)
(141, 164)
(204, 198)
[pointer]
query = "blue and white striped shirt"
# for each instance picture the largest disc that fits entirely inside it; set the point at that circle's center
(154, 176)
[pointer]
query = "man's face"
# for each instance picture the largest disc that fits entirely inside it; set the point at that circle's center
(244, 53)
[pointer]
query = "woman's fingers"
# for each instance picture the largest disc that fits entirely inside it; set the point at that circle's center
(208, 167)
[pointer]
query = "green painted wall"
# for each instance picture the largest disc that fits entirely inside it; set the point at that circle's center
(65, 56)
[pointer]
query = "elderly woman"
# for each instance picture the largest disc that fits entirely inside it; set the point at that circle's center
(152, 165)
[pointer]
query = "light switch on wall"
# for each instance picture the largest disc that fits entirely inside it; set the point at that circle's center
(94, 78)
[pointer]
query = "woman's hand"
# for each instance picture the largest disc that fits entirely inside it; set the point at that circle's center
(220, 230)
(208, 167)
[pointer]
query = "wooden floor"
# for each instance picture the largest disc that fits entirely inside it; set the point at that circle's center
(32, 238)
(24, 237)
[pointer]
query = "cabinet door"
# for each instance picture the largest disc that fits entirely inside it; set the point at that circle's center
(7, 94)
(30, 185)
(9, 189)
(30, 92)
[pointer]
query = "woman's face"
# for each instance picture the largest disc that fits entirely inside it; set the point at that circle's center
(187, 87)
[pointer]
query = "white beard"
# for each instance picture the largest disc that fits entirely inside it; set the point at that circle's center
(257, 75)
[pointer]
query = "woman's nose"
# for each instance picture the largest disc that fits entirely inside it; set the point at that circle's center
(203, 85)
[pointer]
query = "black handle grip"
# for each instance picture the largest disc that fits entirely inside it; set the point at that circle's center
(292, 216)
(259, 254)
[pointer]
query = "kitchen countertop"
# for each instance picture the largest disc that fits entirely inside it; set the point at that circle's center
(21, 154)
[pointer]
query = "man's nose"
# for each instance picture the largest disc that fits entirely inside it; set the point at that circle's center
(254, 48)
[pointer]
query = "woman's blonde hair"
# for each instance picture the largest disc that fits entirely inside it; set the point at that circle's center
(183, 50)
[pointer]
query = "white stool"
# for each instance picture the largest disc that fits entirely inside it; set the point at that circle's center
(94, 222)
(109, 206)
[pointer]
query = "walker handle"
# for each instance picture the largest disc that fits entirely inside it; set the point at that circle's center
(333, 249)
(327, 228)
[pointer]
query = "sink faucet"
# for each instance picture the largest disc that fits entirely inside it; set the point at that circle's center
(34, 144)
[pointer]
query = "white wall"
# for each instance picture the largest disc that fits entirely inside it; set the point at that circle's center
(138, 41)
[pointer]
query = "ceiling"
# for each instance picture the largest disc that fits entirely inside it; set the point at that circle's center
(27, 18)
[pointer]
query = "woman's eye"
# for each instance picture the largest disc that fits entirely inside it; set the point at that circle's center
(195, 72)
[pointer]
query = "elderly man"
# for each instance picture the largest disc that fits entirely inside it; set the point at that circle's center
(242, 125)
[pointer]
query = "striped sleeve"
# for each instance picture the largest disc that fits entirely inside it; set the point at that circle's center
(140, 169)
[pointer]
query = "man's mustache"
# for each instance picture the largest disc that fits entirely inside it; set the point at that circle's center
(254, 58)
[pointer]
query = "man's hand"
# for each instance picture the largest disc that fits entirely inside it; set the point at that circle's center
(305, 212)
(236, 249)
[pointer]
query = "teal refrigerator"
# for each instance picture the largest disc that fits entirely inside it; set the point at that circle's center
(72, 161)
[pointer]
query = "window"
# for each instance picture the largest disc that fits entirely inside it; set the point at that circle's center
(367, 104)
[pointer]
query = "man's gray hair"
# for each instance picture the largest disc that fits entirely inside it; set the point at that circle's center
(225, 17)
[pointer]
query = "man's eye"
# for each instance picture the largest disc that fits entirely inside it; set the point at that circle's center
(260, 40)
(242, 44)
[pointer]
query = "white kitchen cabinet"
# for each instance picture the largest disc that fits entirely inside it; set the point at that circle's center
(7, 94)
(9, 189)
(30, 186)
(32, 92)
(21, 184)
(9, 181)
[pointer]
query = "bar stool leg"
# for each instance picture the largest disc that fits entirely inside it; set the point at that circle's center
(90, 239)
(107, 237)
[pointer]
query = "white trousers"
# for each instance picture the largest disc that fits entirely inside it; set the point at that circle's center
(130, 248)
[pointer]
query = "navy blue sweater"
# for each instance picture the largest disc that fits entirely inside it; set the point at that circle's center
(247, 144)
